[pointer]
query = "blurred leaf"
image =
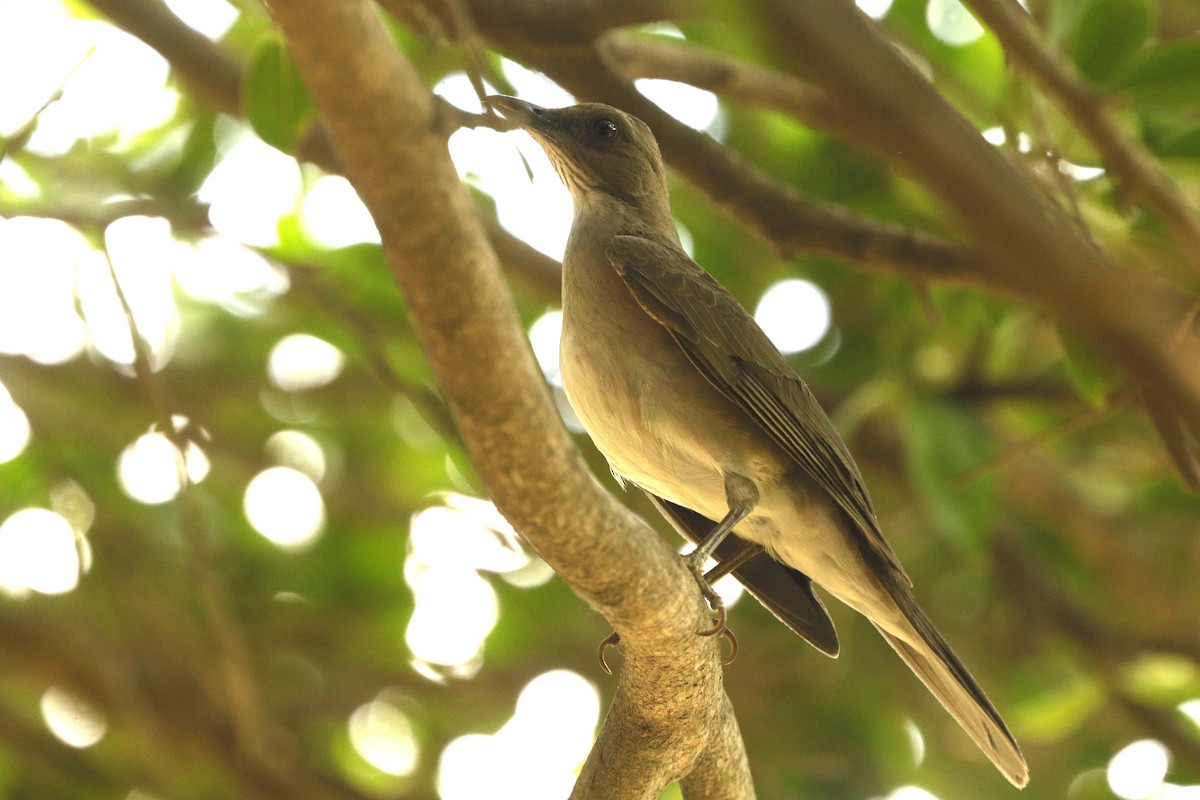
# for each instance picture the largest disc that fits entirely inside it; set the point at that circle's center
(323, 629)
(274, 97)
(1017, 347)
(1166, 76)
(359, 772)
(78, 9)
(672, 792)
(1184, 144)
(1162, 679)
(198, 157)
(1059, 710)
(1091, 785)
(1106, 34)
(1093, 376)
(943, 442)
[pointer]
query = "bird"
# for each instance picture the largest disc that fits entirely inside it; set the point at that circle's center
(687, 398)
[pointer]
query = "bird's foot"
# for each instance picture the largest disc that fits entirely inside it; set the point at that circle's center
(695, 563)
(614, 638)
(733, 646)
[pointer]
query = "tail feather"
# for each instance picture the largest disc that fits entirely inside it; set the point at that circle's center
(947, 678)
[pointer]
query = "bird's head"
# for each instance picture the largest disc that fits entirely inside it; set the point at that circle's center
(594, 148)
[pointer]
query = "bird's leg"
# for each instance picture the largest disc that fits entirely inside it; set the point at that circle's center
(715, 574)
(748, 551)
(741, 494)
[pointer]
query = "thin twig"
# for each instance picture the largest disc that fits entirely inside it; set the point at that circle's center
(466, 34)
(17, 139)
(245, 706)
(1108, 647)
(143, 367)
(640, 56)
(1049, 154)
(429, 404)
(1125, 157)
(1018, 450)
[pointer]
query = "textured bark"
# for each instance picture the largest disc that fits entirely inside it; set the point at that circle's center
(384, 126)
(1034, 250)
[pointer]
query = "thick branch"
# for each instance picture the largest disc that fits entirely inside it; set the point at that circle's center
(383, 122)
(1024, 245)
(784, 216)
(569, 23)
(704, 782)
(1126, 159)
(1034, 250)
(209, 75)
(674, 60)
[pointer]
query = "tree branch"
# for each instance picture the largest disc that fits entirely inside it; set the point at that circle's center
(383, 123)
(674, 60)
(779, 213)
(706, 781)
(784, 216)
(1033, 250)
(215, 78)
(210, 75)
(1024, 245)
(1108, 647)
(1125, 157)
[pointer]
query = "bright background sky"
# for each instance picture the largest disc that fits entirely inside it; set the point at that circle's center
(113, 85)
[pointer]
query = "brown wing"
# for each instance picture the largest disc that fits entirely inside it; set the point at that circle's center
(785, 592)
(726, 345)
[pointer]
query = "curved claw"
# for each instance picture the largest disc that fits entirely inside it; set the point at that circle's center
(696, 565)
(719, 626)
(611, 641)
(733, 646)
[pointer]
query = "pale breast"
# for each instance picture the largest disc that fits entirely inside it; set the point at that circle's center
(620, 379)
(656, 419)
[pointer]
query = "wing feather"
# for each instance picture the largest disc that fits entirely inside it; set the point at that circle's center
(726, 345)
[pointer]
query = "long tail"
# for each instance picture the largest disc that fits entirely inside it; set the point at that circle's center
(943, 674)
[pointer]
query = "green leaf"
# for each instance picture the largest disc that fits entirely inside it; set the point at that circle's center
(1106, 34)
(198, 156)
(1163, 77)
(1093, 376)
(274, 97)
(1173, 61)
(1059, 710)
(943, 443)
(1162, 679)
(1182, 145)
(671, 792)
(1091, 785)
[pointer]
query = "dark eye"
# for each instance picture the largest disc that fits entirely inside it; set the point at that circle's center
(604, 129)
